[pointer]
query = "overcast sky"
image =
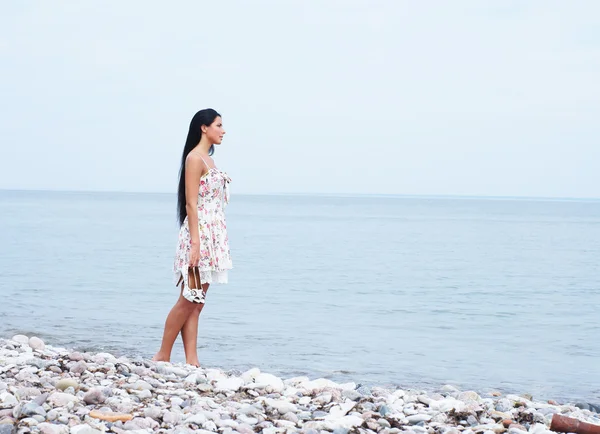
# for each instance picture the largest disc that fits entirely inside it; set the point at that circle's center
(498, 98)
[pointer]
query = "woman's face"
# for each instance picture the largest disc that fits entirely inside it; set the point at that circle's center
(215, 132)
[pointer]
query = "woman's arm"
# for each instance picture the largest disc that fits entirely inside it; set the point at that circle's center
(193, 172)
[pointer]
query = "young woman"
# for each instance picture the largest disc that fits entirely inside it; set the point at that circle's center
(203, 255)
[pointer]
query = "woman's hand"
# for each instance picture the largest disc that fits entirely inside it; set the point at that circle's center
(194, 254)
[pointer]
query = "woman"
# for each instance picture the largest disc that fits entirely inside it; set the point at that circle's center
(202, 255)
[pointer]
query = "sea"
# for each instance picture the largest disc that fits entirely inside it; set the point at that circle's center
(414, 292)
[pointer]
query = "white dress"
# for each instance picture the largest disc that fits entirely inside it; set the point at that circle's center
(215, 257)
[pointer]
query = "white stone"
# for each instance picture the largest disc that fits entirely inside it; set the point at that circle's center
(347, 422)
(176, 400)
(214, 374)
(60, 399)
(469, 396)
(250, 375)
(449, 389)
(232, 384)
(107, 356)
(210, 426)
(191, 379)
(48, 428)
(7, 400)
(36, 343)
(338, 411)
(248, 409)
(538, 428)
(448, 404)
(295, 381)
(197, 419)
(226, 423)
(416, 418)
(319, 383)
(247, 420)
(323, 399)
(141, 385)
(171, 418)
(273, 382)
(22, 339)
(290, 391)
(282, 407)
(84, 429)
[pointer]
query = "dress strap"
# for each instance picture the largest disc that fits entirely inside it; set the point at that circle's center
(207, 166)
(204, 161)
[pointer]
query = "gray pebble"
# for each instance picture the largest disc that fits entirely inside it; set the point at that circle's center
(504, 405)
(94, 396)
(79, 367)
(7, 428)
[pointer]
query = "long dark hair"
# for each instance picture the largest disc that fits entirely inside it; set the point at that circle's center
(203, 117)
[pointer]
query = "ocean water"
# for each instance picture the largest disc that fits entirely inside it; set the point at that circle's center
(413, 292)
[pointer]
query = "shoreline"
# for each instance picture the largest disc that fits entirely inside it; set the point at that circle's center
(56, 390)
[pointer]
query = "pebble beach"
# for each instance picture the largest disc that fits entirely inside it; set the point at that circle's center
(50, 390)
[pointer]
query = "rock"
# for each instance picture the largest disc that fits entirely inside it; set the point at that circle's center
(111, 417)
(351, 394)
(65, 383)
(206, 388)
(36, 343)
(210, 426)
(245, 429)
(141, 385)
(323, 399)
(84, 429)
(79, 368)
(269, 382)
(32, 408)
(232, 384)
(472, 420)
(281, 406)
(449, 389)
(468, 396)
(586, 406)
(48, 428)
(22, 339)
(61, 399)
(145, 394)
(171, 418)
(507, 422)
(94, 396)
(78, 357)
(152, 412)
(197, 419)
(7, 400)
(384, 410)
(29, 421)
(7, 428)
(504, 405)
(291, 417)
(415, 419)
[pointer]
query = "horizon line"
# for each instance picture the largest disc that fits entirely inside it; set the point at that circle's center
(328, 194)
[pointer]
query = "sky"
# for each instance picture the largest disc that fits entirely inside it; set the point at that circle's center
(469, 97)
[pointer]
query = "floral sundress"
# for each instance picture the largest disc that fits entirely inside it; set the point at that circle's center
(215, 256)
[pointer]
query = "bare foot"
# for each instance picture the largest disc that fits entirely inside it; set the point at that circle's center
(194, 363)
(160, 358)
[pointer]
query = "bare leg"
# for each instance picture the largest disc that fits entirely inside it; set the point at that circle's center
(175, 320)
(189, 333)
